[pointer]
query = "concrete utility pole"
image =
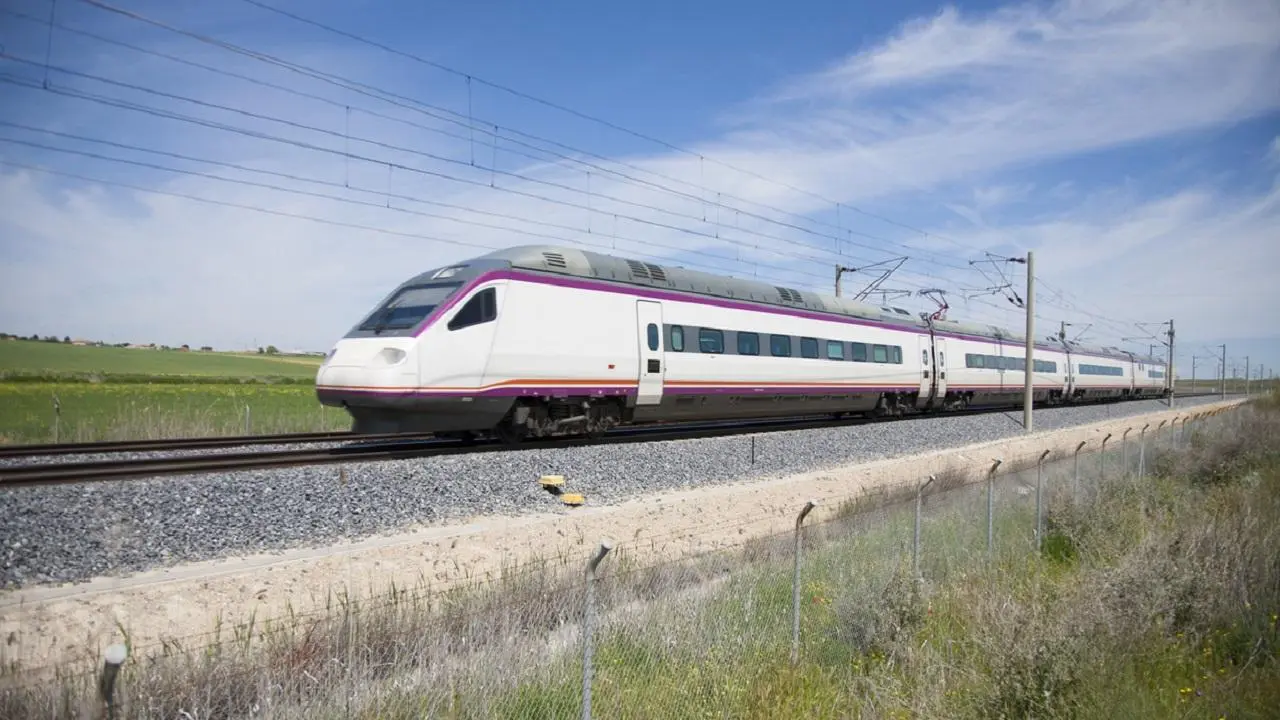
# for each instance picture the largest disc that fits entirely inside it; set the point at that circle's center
(1168, 371)
(1246, 376)
(1031, 342)
(1224, 371)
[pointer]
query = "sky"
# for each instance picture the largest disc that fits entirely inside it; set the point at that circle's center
(227, 174)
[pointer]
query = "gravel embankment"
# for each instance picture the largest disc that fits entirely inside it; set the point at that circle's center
(75, 532)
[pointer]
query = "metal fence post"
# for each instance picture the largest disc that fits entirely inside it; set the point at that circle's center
(1102, 459)
(113, 658)
(795, 588)
(1159, 428)
(1142, 452)
(1039, 493)
(991, 507)
(1124, 451)
(57, 419)
(1075, 491)
(915, 547)
(248, 423)
(587, 622)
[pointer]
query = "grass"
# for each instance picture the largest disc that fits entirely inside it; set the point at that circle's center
(22, 359)
(1149, 598)
(131, 411)
(108, 393)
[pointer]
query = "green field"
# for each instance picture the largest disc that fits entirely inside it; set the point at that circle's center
(132, 411)
(23, 359)
(108, 393)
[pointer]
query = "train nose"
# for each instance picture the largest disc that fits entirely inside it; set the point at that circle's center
(369, 366)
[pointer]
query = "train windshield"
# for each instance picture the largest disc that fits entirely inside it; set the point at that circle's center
(408, 307)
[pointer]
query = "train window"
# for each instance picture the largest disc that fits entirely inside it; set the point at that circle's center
(808, 347)
(835, 350)
(481, 308)
(677, 338)
(652, 332)
(942, 359)
(897, 355)
(748, 343)
(409, 307)
(924, 356)
(710, 341)
(859, 352)
(780, 345)
(972, 361)
(879, 353)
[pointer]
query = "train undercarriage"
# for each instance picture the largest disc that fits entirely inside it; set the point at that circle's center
(592, 417)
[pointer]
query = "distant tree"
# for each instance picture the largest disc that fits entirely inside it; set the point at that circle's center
(271, 350)
(206, 348)
(261, 351)
(66, 340)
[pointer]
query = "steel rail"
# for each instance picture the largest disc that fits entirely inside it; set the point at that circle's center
(192, 443)
(408, 448)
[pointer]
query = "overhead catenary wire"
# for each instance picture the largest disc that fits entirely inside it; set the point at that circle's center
(159, 112)
(317, 74)
(470, 122)
(718, 237)
(585, 116)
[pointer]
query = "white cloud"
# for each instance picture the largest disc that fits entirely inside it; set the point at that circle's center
(951, 101)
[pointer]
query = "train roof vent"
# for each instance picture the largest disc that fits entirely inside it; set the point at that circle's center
(639, 270)
(656, 272)
(555, 260)
(789, 295)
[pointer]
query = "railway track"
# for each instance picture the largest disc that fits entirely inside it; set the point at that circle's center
(197, 443)
(370, 448)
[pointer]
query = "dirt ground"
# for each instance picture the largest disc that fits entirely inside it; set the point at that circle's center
(45, 625)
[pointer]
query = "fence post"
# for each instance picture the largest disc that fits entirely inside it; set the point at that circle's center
(1075, 490)
(1142, 452)
(1039, 493)
(248, 424)
(991, 507)
(795, 588)
(915, 547)
(57, 419)
(1102, 459)
(1124, 451)
(113, 658)
(1159, 428)
(588, 621)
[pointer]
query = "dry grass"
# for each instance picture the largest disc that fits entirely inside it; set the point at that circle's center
(1153, 598)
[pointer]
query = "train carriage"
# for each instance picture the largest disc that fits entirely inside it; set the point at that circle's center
(544, 340)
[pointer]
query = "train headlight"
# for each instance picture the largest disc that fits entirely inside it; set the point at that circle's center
(391, 356)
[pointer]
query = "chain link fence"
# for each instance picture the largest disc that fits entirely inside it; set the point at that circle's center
(618, 634)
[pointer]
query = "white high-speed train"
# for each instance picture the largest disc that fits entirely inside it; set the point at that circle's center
(539, 340)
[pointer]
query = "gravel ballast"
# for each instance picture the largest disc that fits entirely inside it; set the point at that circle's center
(76, 532)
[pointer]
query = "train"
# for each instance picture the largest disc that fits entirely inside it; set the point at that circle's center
(542, 341)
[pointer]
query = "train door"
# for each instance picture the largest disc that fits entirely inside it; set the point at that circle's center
(927, 374)
(649, 329)
(940, 366)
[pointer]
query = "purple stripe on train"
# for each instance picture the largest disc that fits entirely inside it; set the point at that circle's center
(655, 294)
